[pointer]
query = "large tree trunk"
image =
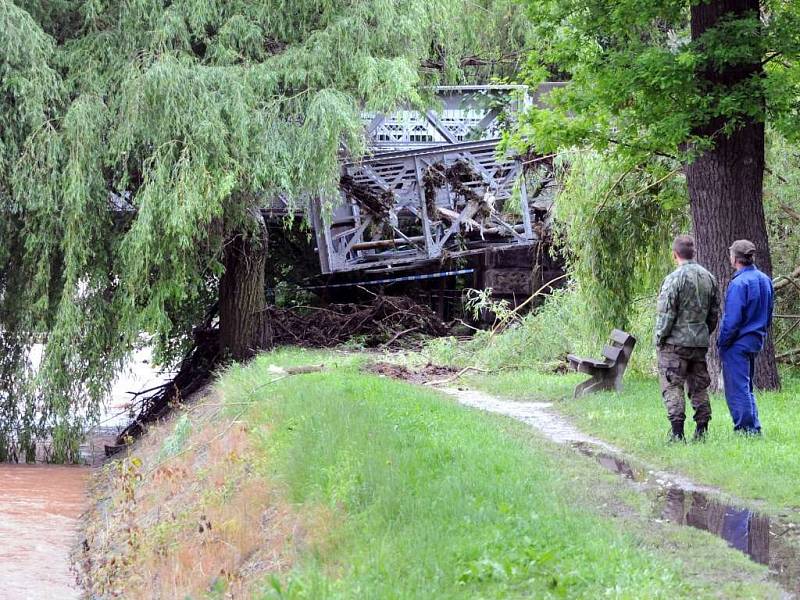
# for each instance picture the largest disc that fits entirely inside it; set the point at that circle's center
(726, 182)
(244, 327)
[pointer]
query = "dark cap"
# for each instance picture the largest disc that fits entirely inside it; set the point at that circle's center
(743, 249)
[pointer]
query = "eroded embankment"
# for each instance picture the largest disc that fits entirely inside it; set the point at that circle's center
(340, 483)
(187, 511)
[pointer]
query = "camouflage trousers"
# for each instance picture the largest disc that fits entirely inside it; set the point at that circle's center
(682, 368)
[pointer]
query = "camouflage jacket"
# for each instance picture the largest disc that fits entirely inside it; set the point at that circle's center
(688, 307)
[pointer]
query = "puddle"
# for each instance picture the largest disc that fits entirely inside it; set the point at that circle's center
(774, 542)
(758, 536)
(764, 539)
(612, 463)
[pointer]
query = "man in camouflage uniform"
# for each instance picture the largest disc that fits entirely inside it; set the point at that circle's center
(688, 309)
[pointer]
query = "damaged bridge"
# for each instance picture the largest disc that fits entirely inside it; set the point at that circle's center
(435, 188)
(435, 191)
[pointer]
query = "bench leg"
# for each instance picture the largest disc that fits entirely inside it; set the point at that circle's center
(580, 389)
(587, 387)
(616, 377)
(590, 386)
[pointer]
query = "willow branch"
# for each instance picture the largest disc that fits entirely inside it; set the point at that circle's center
(655, 183)
(513, 313)
(607, 195)
(781, 281)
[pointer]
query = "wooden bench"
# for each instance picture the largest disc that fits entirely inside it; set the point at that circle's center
(606, 373)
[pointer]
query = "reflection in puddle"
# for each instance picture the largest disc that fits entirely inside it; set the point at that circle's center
(611, 463)
(763, 539)
(743, 529)
(614, 464)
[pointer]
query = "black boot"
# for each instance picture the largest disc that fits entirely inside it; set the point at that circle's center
(700, 432)
(676, 435)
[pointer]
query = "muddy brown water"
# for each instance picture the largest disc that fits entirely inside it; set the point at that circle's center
(39, 510)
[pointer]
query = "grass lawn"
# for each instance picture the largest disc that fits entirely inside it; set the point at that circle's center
(427, 499)
(764, 469)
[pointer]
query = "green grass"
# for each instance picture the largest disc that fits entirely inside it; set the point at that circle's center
(636, 422)
(565, 323)
(430, 500)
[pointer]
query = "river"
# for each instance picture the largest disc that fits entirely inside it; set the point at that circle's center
(40, 505)
(39, 510)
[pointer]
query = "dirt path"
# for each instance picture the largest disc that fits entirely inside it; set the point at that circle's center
(39, 510)
(547, 421)
(538, 415)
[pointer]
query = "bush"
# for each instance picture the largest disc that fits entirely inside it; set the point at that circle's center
(565, 324)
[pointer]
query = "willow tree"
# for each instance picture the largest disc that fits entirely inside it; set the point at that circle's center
(695, 81)
(139, 141)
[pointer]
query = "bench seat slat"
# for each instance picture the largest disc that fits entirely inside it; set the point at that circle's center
(597, 364)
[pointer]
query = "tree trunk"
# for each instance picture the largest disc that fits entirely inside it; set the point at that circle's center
(726, 183)
(243, 325)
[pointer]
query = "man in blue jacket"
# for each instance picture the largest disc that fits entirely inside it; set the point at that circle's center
(747, 317)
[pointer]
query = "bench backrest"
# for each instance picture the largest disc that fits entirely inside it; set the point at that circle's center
(611, 353)
(619, 348)
(619, 337)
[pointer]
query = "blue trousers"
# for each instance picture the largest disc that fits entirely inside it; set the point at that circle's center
(738, 368)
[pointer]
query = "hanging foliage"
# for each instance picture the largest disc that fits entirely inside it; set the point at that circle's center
(697, 81)
(138, 138)
(615, 220)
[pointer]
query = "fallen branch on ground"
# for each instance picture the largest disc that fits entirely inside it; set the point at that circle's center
(381, 323)
(456, 376)
(788, 332)
(504, 322)
(398, 335)
(788, 353)
(793, 213)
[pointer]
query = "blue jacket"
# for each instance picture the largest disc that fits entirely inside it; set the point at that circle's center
(748, 310)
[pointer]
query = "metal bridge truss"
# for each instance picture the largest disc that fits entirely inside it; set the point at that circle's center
(434, 188)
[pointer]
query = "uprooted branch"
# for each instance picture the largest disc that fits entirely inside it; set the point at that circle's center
(195, 371)
(385, 321)
(783, 281)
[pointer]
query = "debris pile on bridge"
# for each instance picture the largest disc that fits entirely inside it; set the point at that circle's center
(437, 185)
